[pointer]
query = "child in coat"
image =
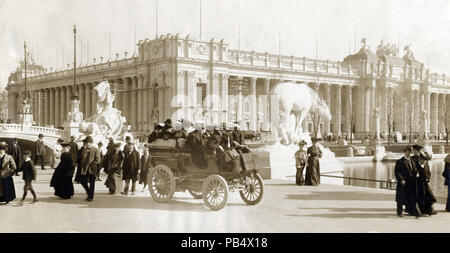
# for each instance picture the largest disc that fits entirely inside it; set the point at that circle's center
(29, 175)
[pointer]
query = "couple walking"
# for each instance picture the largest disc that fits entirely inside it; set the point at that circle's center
(412, 172)
(310, 160)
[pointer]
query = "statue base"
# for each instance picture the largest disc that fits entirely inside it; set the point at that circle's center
(26, 119)
(376, 149)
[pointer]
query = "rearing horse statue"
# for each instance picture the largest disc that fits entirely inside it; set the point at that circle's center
(295, 100)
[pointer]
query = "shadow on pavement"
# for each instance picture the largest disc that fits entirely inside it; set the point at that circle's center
(352, 215)
(342, 195)
(351, 209)
(105, 200)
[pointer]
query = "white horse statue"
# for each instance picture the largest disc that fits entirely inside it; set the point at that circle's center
(295, 101)
(108, 121)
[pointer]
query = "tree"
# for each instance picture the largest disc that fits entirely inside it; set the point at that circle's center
(315, 115)
(411, 99)
(352, 113)
(390, 121)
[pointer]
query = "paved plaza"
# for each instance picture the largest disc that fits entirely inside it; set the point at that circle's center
(285, 208)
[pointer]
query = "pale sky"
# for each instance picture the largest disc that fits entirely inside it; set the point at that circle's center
(47, 26)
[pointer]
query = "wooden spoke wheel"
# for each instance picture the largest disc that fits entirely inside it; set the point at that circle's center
(253, 192)
(161, 183)
(195, 194)
(215, 192)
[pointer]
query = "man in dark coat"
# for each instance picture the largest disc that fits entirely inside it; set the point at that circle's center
(7, 169)
(90, 159)
(406, 192)
(156, 133)
(73, 150)
(446, 175)
(131, 166)
(197, 144)
(15, 151)
(40, 151)
(238, 136)
(167, 131)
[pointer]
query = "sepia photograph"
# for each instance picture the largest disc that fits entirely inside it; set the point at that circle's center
(214, 116)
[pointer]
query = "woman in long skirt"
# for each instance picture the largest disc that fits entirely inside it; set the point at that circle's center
(300, 163)
(313, 168)
(114, 180)
(62, 177)
(7, 170)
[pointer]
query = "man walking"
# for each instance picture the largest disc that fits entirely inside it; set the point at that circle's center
(406, 192)
(131, 166)
(40, 151)
(90, 159)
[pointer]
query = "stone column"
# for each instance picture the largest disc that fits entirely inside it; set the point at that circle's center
(82, 98)
(253, 105)
(367, 108)
(139, 97)
(192, 95)
(144, 104)
(338, 112)
(135, 104)
(124, 100)
(442, 106)
(267, 105)
(46, 109)
(52, 106)
(434, 112)
(239, 103)
(93, 98)
(88, 99)
(327, 94)
(427, 107)
(57, 105)
(347, 106)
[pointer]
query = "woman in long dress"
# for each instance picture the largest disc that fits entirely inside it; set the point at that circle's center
(62, 177)
(7, 170)
(300, 163)
(56, 159)
(115, 162)
(425, 194)
(313, 168)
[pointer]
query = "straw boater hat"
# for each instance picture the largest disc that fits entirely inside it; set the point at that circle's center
(3, 145)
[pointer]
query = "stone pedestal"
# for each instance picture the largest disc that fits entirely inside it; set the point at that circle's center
(72, 129)
(376, 149)
(26, 119)
(349, 152)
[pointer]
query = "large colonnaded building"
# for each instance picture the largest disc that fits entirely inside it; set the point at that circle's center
(182, 77)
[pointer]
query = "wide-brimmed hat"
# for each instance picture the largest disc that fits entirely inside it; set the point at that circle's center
(417, 147)
(302, 143)
(407, 148)
(40, 135)
(88, 139)
(168, 122)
